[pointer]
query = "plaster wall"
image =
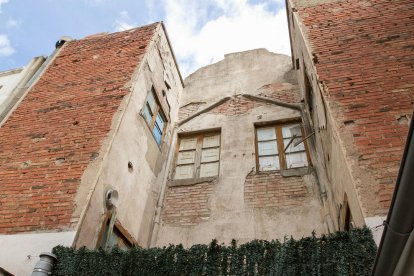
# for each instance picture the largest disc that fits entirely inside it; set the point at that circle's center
(12, 81)
(8, 81)
(336, 165)
(132, 141)
(237, 73)
(229, 215)
(23, 249)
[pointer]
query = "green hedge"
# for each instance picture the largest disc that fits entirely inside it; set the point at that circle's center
(342, 253)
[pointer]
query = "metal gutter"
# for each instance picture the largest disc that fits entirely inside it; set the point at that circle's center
(400, 220)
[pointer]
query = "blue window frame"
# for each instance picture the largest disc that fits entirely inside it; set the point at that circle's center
(154, 116)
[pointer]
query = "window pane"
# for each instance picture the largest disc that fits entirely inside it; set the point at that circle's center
(209, 155)
(211, 141)
(291, 130)
(188, 144)
(291, 147)
(209, 169)
(186, 157)
(157, 134)
(267, 133)
(267, 148)
(147, 115)
(160, 121)
(296, 160)
(183, 172)
(269, 163)
(151, 101)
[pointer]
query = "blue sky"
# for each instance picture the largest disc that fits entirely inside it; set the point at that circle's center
(201, 31)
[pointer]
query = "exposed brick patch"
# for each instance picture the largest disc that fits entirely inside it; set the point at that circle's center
(237, 105)
(365, 58)
(272, 190)
(187, 205)
(49, 140)
(282, 92)
(190, 109)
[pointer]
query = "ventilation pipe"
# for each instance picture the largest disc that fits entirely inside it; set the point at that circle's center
(45, 265)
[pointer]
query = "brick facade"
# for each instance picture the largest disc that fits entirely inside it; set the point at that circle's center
(187, 205)
(363, 55)
(272, 190)
(57, 130)
(282, 92)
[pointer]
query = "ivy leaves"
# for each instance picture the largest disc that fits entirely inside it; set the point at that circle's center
(342, 253)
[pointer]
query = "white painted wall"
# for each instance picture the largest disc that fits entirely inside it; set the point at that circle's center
(376, 226)
(20, 252)
(8, 81)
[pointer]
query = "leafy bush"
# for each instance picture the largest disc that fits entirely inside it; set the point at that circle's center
(342, 253)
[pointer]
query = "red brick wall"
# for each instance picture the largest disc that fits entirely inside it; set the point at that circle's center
(57, 130)
(282, 92)
(364, 55)
(272, 190)
(187, 205)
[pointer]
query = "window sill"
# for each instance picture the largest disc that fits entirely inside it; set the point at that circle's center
(290, 172)
(296, 171)
(191, 181)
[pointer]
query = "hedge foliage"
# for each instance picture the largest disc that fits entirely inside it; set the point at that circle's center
(342, 253)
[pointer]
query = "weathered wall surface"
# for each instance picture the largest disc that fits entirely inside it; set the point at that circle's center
(253, 70)
(74, 131)
(8, 81)
(57, 130)
(19, 253)
(12, 83)
(357, 56)
(240, 203)
(134, 142)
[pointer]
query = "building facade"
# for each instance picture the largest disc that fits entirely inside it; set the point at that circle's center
(103, 144)
(82, 156)
(236, 172)
(354, 65)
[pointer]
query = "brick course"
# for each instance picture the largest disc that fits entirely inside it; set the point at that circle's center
(272, 190)
(187, 205)
(363, 54)
(58, 129)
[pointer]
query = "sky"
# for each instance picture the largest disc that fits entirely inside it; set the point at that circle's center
(201, 32)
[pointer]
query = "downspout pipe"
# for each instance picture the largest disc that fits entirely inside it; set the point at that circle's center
(400, 220)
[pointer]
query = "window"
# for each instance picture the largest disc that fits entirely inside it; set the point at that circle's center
(118, 237)
(310, 98)
(154, 116)
(198, 156)
(278, 147)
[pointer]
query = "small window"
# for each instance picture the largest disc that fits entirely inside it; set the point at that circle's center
(310, 98)
(154, 116)
(198, 156)
(115, 238)
(280, 147)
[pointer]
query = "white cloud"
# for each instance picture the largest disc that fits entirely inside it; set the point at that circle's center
(11, 23)
(5, 47)
(124, 22)
(2, 2)
(200, 39)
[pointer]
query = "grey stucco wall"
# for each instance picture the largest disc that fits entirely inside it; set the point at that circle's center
(230, 214)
